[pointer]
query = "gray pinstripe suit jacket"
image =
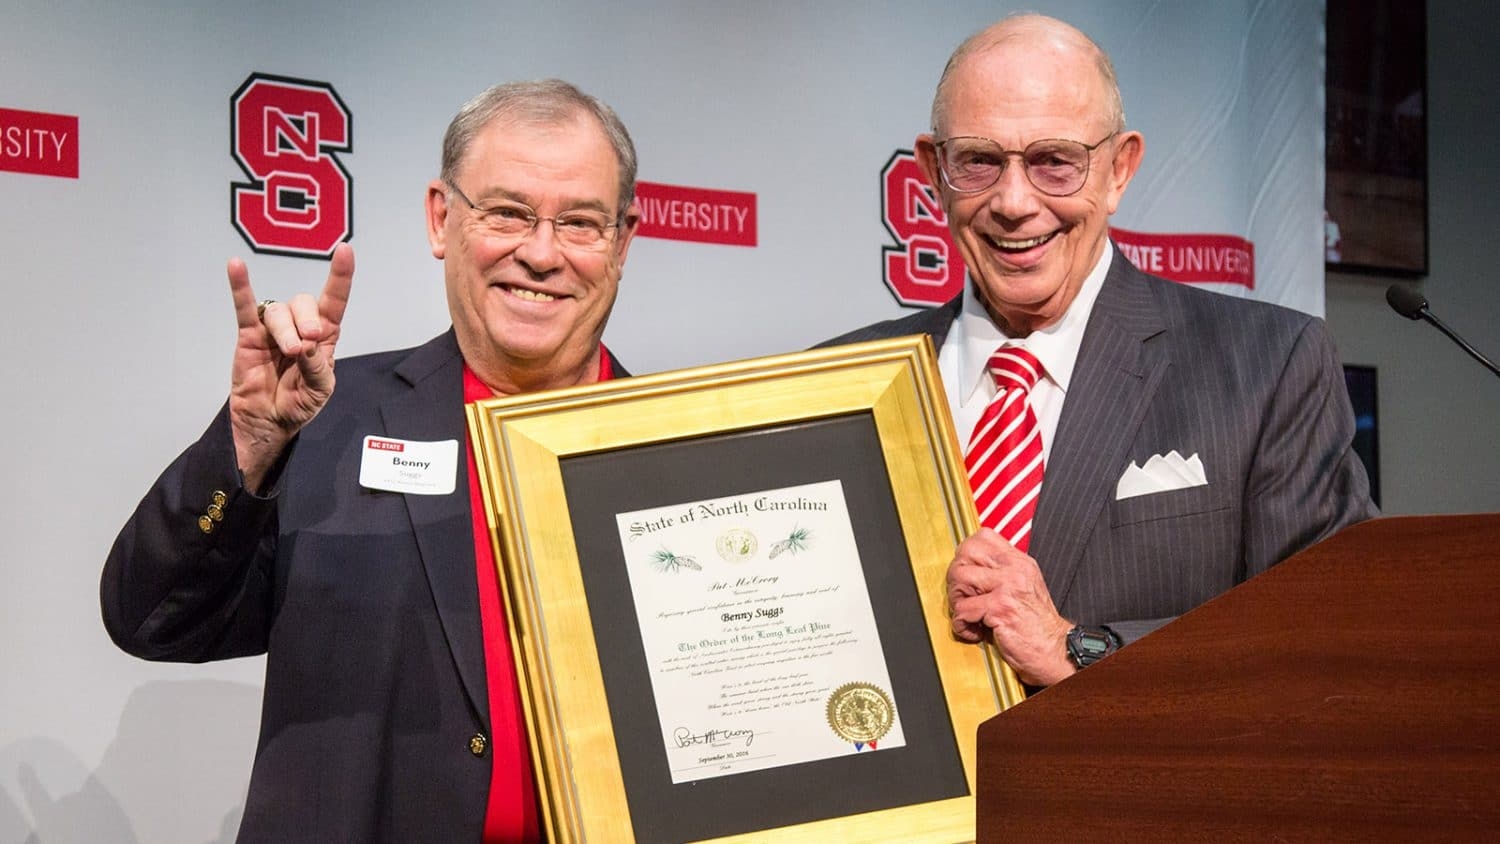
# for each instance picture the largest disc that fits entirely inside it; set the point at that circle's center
(1254, 389)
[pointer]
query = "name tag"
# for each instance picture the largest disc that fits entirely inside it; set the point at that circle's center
(415, 468)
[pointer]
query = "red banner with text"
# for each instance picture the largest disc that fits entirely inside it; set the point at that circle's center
(699, 215)
(1211, 258)
(39, 143)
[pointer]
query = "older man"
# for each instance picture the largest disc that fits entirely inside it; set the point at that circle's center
(291, 528)
(1136, 446)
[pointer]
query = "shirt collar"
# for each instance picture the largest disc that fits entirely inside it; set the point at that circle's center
(1056, 346)
(477, 390)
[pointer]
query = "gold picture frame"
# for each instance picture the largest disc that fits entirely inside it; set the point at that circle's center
(556, 466)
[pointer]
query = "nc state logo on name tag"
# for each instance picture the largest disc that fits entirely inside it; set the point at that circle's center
(411, 467)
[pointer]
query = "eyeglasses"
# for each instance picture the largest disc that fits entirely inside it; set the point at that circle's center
(514, 221)
(1055, 166)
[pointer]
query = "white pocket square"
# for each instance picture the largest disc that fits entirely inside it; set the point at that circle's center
(1161, 474)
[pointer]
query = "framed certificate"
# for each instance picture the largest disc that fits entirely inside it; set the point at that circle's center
(725, 590)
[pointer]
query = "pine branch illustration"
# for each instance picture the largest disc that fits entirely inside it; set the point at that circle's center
(797, 541)
(666, 561)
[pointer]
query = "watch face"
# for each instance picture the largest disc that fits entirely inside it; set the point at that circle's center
(1088, 645)
(1092, 645)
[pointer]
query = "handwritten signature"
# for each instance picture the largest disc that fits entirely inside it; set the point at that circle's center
(687, 738)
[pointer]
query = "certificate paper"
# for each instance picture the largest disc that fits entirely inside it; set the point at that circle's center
(758, 631)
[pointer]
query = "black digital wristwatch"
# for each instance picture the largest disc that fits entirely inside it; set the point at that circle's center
(1088, 645)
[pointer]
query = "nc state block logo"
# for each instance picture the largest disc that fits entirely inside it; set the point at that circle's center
(924, 268)
(285, 133)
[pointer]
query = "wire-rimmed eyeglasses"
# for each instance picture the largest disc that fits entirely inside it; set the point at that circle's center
(581, 228)
(1056, 166)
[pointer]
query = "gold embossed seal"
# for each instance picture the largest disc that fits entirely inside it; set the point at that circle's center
(736, 545)
(860, 712)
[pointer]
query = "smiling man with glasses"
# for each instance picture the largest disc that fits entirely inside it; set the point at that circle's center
(1135, 446)
(340, 531)
(533, 246)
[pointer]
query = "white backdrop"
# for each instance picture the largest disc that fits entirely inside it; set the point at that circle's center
(118, 326)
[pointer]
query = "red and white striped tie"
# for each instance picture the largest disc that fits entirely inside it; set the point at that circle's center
(1005, 453)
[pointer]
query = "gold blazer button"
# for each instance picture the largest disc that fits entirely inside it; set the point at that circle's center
(477, 744)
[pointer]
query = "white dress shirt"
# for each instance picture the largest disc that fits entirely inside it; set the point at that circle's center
(963, 359)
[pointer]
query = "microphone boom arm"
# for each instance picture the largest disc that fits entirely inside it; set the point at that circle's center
(1462, 343)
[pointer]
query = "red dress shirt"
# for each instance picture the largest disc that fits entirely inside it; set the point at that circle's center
(512, 814)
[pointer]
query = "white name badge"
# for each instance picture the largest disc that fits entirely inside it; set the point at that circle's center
(404, 466)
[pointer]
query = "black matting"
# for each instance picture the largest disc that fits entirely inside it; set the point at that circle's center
(847, 448)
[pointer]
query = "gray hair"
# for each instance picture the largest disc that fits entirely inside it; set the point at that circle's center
(997, 34)
(540, 102)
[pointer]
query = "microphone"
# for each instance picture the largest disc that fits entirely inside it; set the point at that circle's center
(1406, 301)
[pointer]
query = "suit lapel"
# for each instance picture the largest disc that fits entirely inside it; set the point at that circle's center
(936, 322)
(933, 322)
(432, 410)
(615, 369)
(1116, 374)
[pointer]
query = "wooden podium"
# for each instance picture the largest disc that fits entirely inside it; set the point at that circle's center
(1350, 693)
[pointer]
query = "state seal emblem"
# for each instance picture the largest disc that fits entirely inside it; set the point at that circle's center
(736, 545)
(860, 712)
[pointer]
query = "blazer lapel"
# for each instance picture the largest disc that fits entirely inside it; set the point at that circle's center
(933, 322)
(432, 410)
(1117, 372)
(936, 322)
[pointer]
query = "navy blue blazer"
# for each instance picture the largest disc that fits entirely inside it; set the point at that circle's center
(364, 602)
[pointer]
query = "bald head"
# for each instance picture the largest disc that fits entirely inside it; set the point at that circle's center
(1036, 33)
(1029, 246)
